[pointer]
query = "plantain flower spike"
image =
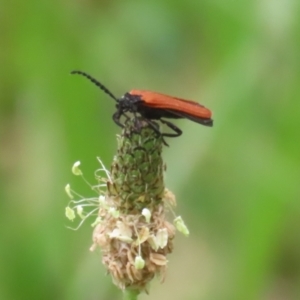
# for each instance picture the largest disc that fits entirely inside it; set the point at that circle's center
(134, 234)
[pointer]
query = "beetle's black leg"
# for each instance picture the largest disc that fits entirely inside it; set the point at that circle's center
(137, 125)
(155, 127)
(126, 117)
(116, 117)
(173, 127)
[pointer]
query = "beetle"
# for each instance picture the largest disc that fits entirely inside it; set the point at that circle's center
(155, 106)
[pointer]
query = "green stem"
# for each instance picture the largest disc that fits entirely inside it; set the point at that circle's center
(130, 294)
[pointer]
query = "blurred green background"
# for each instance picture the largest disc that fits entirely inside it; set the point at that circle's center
(237, 184)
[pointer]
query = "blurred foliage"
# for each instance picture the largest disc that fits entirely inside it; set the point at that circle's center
(237, 184)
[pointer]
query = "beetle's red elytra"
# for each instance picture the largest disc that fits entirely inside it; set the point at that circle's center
(155, 106)
(161, 101)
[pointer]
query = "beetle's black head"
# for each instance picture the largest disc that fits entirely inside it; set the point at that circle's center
(129, 102)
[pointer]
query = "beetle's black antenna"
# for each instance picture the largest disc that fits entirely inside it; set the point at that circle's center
(97, 83)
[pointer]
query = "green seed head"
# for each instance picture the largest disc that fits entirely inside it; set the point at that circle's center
(137, 169)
